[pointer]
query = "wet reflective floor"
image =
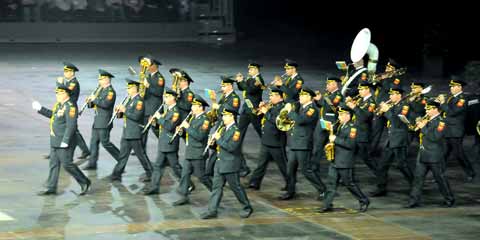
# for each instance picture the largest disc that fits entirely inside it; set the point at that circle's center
(120, 211)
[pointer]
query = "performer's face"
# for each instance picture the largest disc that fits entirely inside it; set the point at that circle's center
(344, 117)
(305, 98)
(275, 98)
(331, 86)
(290, 71)
(252, 71)
(416, 89)
(61, 96)
(183, 84)
(226, 88)
(455, 89)
(395, 97)
(364, 92)
(68, 74)
(227, 118)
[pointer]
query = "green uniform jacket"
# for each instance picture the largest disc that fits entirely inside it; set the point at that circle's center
(63, 122)
(167, 125)
(329, 112)
(232, 100)
(154, 94)
(197, 137)
(433, 144)
(382, 88)
(252, 90)
(455, 109)
(228, 146)
(74, 86)
(345, 144)
(103, 106)
(417, 107)
(133, 117)
(184, 102)
(271, 136)
(291, 88)
(301, 135)
(397, 130)
(363, 119)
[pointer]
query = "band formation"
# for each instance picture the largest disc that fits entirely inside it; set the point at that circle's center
(298, 127)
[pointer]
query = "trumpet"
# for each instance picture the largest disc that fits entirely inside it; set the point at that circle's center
(266, 105)
(275, 79)
(419, 120)
(379, 111)
(440, 98)
(355, 99)
(211, 139)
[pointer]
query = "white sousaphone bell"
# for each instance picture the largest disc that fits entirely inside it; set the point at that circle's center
(361, 45)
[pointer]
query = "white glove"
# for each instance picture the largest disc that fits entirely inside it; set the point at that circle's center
(36, 105)
(63, 145)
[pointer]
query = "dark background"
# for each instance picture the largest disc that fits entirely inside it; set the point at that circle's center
(399, 32)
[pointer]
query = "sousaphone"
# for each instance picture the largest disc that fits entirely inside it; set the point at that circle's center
(361, 45)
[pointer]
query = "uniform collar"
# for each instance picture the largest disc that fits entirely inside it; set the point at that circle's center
(306, 105)
(294, 75)
(229, 125)
(172, 106)
(456, 95)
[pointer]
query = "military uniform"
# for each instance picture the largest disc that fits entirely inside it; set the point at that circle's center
(273, 146)
(184, 102)
(342, 166)
(153, 97)
(300, 144)
(381, 95)
(363, 116)
(196, 137)
(63, 123)
(74, 86)
(103, 105)
(232, 100)
(292, 85)
(185, 98)
(227, 169)
(167, 150)
(455, 109)
(252, 90)
(396, 147)
(328, 111)
(357, 76)
(133, 118)
(431, 155)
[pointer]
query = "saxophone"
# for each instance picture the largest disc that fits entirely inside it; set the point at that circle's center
(330, 148)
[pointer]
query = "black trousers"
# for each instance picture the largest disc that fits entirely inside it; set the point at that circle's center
(197, 168)
(101, 135)
(219, 180)
(363, 154)
(378, 126)
(245, 119)
(63, 156)
(346, 175)
(159, 167)
(455, 147)
(268, 154)
(80, 142)
(126, 146)
(399, 155)
(309, 169)
(320, 139)
(145, 135)
(421, 171)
